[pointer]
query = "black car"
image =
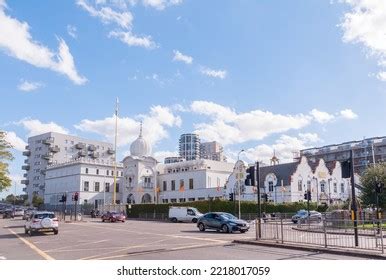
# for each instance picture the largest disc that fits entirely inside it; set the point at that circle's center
(222, 221)
(8, 213)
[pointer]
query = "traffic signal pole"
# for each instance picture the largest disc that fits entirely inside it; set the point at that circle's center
(256, 183)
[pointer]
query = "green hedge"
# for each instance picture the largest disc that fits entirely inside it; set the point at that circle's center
(218, 205)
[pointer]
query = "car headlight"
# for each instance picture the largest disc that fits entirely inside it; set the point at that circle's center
(232, 224)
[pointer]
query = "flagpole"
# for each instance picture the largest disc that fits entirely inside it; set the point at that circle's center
(115, 149)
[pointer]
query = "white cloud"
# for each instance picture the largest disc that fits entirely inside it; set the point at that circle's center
(348, 114)
(284, 148)
(178, 56)
(29, 86)
(221, 74)
(132, 40)
(154, 126)
(17, 143)
(321, 117)
(365, 23)
(161, 4)
(17, 42)
(71, 30)
(35, 127)
(229, 127)
(108, 15)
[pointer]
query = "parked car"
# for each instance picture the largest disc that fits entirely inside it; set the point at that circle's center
(302, 216)
(41, 221)
(8, 213)
(184, 214)
(28, 212)
(222, 221)
(113, 217)
(18, 212)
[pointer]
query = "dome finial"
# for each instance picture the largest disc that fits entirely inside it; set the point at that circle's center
(140, 130)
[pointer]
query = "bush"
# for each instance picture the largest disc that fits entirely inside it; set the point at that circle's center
(219, 206)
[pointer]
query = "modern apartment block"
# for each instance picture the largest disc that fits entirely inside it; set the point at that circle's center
(54, 148)
(365, 153)
(212, 151)
(189, 146)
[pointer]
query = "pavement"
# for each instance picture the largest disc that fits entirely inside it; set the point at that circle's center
(139, 240)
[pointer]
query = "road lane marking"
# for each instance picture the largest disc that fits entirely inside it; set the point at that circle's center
(163, 251)
(32, 246)
(75, 245)
(123, 249)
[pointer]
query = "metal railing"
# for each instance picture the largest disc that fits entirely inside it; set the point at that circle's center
(327, 233)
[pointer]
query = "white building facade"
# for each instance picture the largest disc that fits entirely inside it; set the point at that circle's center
(92, 180)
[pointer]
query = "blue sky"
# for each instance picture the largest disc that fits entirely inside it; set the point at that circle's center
(253, 75)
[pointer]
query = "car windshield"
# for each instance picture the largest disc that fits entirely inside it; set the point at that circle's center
(44, 215)
(228, 216)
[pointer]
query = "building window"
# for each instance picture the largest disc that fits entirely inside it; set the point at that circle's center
(97, 171)
(112, 173)
(270, 186)
(117, 188)
(173, 185)
(308, 184)
(86, 186)
(96, 187)
(164, 185)
(192, 199)
(322, 187)
(182, 185)
(173, 200)
(191, 184)
(121, 173)
(300, 185)
(107, 173)
(86, 170)
(335, 187)
(107, 187)
(342, 188)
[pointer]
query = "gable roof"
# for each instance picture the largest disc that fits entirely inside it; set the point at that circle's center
(281, 171)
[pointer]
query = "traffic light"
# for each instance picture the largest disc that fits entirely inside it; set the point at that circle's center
(307, 195)
(76, 196)
(64, 198)
(231, 196)
(250, 178)
(346, 169)
(379, 187)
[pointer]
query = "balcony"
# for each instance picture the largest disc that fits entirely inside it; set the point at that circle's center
(26, 161)
(24, 189)
(27, 153)
(48, 141)
(94, 155)
(55, 149)
(25, 182)
(47, 156)
(80, 146)
(27, 147)
(91, 148)
(25, 175)
(110, 151)
(82, 153)
(26, 167)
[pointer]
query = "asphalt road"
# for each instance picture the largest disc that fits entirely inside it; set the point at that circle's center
(136, 240)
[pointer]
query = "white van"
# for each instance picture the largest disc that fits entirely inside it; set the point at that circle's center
(184, 214)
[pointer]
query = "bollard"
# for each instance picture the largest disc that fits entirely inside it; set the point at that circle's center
(325, 233)
(282, 231)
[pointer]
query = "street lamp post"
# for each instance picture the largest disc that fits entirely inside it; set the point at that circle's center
(239, 184)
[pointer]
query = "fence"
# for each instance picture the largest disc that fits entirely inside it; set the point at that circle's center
(327, 233)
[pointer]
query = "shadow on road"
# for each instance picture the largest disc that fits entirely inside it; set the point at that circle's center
(8, 236)
(19, 226)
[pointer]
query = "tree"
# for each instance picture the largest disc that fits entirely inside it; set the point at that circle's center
(373, 175)
(37, 201)
(5, 156)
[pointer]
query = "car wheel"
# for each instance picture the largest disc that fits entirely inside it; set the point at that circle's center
(243, 231)
(56, 231)
(201, 227)
(25, 230)
(225, 228)
(123, 221)
(174, 220)
(194, 220)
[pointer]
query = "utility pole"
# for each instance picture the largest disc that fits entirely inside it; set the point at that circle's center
(354, 209)
(115, 150)
(257, 184)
